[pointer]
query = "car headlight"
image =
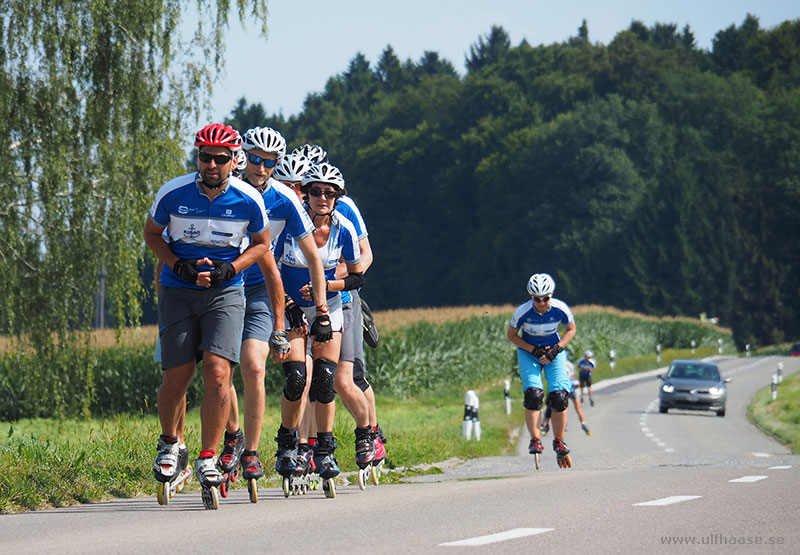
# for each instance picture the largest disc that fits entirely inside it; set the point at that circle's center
(668, 388)
(716, 390)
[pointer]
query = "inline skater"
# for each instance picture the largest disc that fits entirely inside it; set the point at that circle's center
(534, 330)
(585, 368)
(201, 300)
(264, 328)
(335, 237)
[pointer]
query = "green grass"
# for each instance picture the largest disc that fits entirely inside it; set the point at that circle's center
(780, 418)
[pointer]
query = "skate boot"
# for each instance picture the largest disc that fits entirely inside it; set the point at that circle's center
(251, 472)
(380, 453)
(591, 401)
(166, 465)
(365, 454)
(326, 463)
(210, 479)
(545, 428)
(301, 482)
(585, 428)
(313, 474)
(562, 453)
(535, 448)
(184, 472)
(286, 456)
(231, 454)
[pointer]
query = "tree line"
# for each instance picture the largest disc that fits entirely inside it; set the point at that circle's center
(646, 174)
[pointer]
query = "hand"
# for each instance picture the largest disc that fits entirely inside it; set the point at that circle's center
(295, 315)
(186, 268)
(279, 345)
(552, 352)
(321, 329)
(222, 272)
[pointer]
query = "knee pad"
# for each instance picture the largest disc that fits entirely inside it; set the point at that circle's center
(322, 380)
(558, 400)
(358, 375)
(533, 398)
(295, 372)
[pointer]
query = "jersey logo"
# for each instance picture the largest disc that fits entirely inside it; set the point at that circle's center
(183, 210)
(228, 212)
(191, 232)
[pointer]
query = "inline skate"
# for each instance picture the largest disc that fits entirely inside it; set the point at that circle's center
(562, 453)
(229, 459)
(210, 478)
(251, 472)
(535, 448)
(170, 468)
(326, 463)
(365, 454)
(286, 457)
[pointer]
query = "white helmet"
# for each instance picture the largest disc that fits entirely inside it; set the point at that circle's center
(241, 160)
(292, 168)
(588, 354)
(324, 173)
(315, 153)
(540, 285)
(266, 139)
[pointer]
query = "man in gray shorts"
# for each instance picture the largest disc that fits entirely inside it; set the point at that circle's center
(207, 216)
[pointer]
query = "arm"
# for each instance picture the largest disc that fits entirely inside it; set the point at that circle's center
(352, 280)
(569, 333)
(162, 250)
(366, 259)
(511, 333)
(315, 269)
(274, 284)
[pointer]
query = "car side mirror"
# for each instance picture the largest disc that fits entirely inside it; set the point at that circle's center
(728, 380)
(660, 376)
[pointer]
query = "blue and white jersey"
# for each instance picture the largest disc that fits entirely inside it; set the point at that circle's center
(541, 329)
(347, 208)
(586, 366)
(342, 243)
(197, 227)
(284, 210)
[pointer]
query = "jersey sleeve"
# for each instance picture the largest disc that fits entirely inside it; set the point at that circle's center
(515, 318)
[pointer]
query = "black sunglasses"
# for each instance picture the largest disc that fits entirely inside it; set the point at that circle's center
(220, 159)
(541, 299)
(317, 192)
(256, 160)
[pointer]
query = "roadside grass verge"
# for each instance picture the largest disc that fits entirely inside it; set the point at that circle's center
(779, 418)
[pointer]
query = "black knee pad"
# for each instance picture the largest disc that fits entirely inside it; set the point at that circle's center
(322, 380)
(558, 400)
(358, 375)
(533, 398)
(295, 372)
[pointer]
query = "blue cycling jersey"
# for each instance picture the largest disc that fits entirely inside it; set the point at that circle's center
(541, 330)
(347, 208)
(342, 242)
(284, 210)
(197, 227)
(586, 366)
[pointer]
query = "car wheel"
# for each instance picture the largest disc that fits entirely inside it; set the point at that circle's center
(721, 412)
(662, 409)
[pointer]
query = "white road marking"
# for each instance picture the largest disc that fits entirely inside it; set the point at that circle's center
(746, 479)
(667, 500)
(760, 454)
(780, 467)
(499, 537)
(646, 430)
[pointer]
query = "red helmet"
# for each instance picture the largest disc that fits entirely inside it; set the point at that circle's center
(217, 134)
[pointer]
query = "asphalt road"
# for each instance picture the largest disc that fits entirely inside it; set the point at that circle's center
(642, 482)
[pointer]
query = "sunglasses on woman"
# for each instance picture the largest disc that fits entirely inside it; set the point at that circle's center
(318, 192)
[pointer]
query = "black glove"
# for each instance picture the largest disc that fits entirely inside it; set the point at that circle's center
(538, 352)
(321, 329)
(295, 315)
(222, 272)
(278, 343)
(553, 351)
(186, 268)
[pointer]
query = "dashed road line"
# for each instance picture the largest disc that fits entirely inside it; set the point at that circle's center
(499, 537)
(748, 479)
(646, 429)
(782, 467)
(667, 500)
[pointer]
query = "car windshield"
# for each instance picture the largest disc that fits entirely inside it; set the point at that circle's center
(694, 372)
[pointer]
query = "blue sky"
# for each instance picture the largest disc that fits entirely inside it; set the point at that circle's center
(312, 40)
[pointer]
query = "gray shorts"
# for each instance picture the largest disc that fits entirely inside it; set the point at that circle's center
(258, 317)
(191, 322)
(347, 351)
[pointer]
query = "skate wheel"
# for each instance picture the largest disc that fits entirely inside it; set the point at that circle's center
(362, 479)
(373, 471)
(329, 488)
(224, 488)
(568, 462)
(287, 489)
(210, 498)
(252, 489)
(536, 460)
(162, 493)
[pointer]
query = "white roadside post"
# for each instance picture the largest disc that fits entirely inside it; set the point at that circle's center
(471, 423)
(779, 373)
(612, 354)
(774, 387)
(747, 348)
(694, 345)
(507, 395)
(719, 341)
(658, 353)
